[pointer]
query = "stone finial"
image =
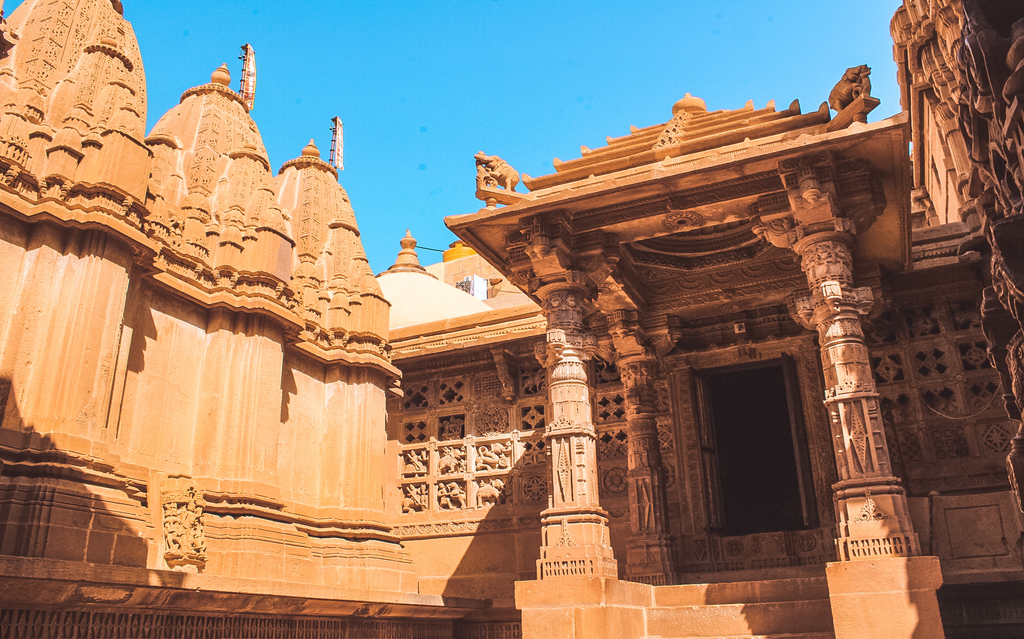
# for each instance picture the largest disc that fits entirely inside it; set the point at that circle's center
(407, 261)
(689, 104)
(221, 76)
(310, 151)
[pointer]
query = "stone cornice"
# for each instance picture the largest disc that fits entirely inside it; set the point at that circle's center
(468, 331)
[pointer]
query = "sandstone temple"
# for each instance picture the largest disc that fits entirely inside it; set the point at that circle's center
(754, 372)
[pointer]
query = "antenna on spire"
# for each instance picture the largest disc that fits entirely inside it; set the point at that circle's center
(248, 83)
(337, 144)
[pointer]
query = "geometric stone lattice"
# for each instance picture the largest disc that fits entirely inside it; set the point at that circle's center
(910, 446)
(610, 407)
(931, 362)
(974, 355)
(996, 438)
(415, 432)
(534, 488)
(533, 453)
(888, 369)
(950, 443)
(415, 396)
(611, 445)
(980, 395)
(532, 417)
(450, 392)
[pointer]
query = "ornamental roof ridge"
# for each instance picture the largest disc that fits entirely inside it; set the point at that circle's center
(692, 130)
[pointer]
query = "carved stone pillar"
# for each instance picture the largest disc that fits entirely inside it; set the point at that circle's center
(575, 539)
(649, 550)
(871, 506)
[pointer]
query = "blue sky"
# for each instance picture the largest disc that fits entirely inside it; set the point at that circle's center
(422, 86)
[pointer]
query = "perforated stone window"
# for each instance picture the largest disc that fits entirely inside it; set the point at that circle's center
(950, 443)
(980, 395)
(930, 362)
(532, 417)
(888, 368)
(897, 411)
(450, 392)
(609, 408)
(534, 488)
(488, 386)
(996, 438)
(414, 432)
(941, 400)
(415, 396)
(910, 446)
(533, 453)
(611, 445)
(974, 355)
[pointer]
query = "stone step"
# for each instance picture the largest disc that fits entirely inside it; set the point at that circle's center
(799, 635)
(742, 592)
(742, 619)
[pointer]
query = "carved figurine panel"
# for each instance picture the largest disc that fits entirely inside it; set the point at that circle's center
(464, 447)
(182, 507)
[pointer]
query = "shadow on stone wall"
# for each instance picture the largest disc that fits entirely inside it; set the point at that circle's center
(65, 505)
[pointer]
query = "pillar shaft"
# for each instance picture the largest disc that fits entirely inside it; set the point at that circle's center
(871, 506)
(649, 551)
(575, 528)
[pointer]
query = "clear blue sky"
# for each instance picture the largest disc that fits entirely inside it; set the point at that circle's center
(423, 85)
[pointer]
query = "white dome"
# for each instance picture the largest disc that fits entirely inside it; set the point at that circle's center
(418, 298)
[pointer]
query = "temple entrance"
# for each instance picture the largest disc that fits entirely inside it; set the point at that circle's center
(755, 450)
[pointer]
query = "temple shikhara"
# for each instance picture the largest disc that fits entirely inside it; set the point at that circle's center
(751, 372)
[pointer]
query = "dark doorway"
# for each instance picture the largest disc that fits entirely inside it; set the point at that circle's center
(755, 449)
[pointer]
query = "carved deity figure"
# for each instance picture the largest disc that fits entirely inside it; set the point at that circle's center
(415, 462)
(855, 84)
(493, 172)
(184, 539)
(415, 498)
(450, 496)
